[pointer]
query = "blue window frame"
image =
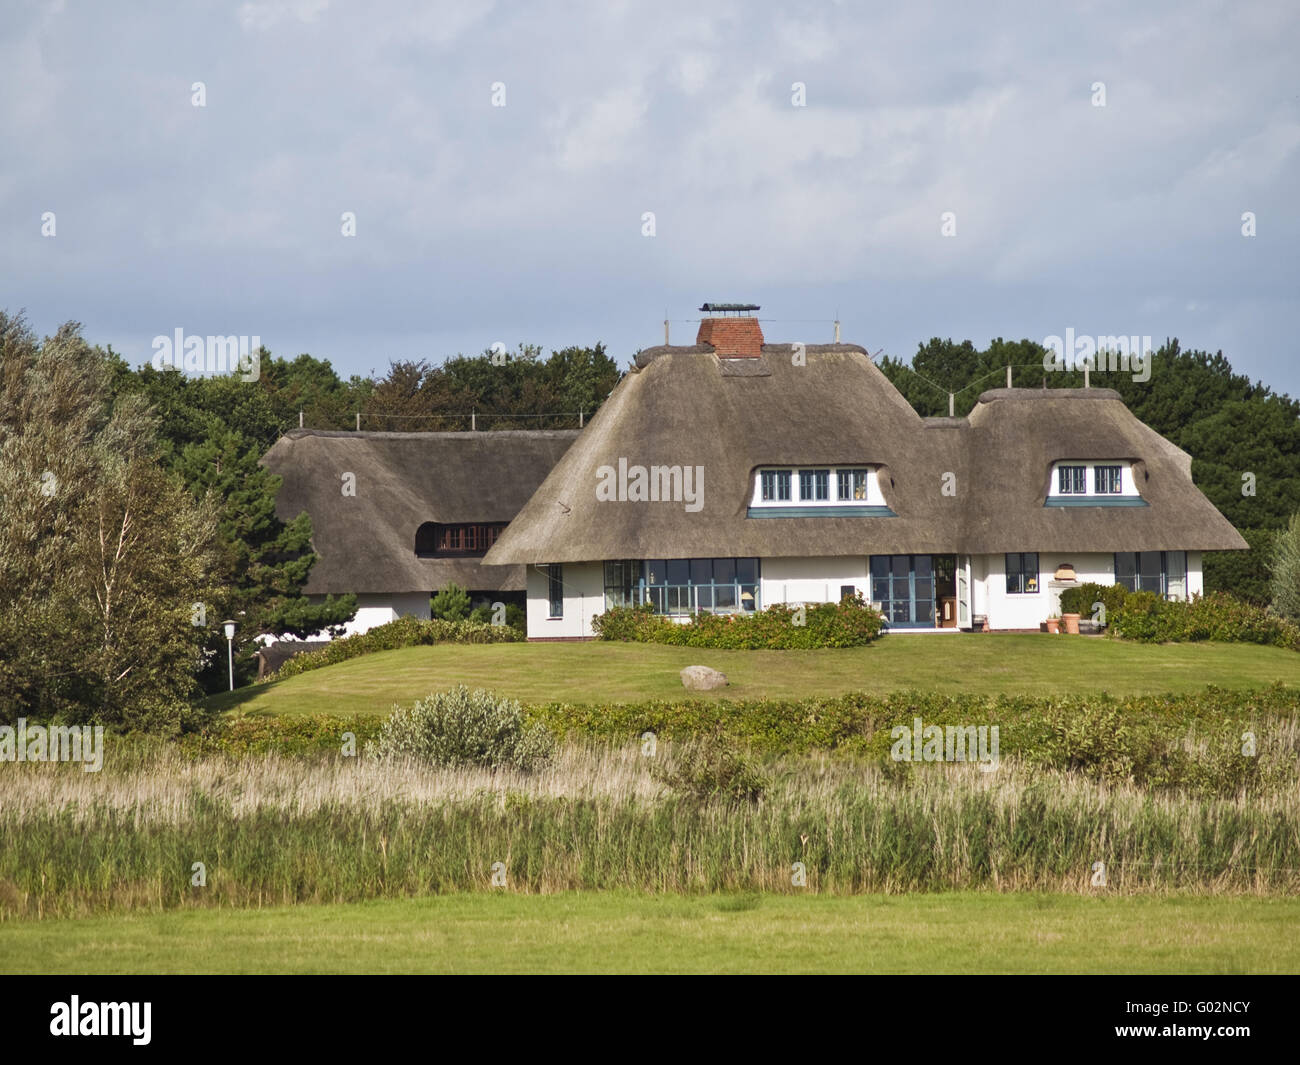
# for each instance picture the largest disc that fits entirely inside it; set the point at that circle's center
(903, 585)
(1162, 572)
(814, 485)
(852, 485)
(776, 486)
(1072, 480)
(1108, 480)
(679, 586)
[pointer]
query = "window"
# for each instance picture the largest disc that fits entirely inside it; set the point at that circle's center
(903, 585)
(679, 586)
(776, 486)
(794, 492)
(433, 540)
(621, 583)
(1072, 480)
(1022, 571)
(814, 485)
(1108, 480)
(555, 591)
(852, 484)
(1162, 572)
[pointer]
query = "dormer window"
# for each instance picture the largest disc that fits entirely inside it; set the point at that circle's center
(434, 540)
(1109, 480)
(852, 485)
(1072, 480)
(818, 491)
(814, 486)
(1093, 484)
(775, 486)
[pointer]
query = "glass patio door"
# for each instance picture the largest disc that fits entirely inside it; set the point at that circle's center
(903, 585)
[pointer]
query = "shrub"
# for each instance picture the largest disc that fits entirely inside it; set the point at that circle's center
(450, 604)
(305, 734)
(1218, 616)
(1079, 600)
(465, 728)
(1137, 738)
(404, 632)
(516, 616)
(852, 622)
(1285, 582)
(712, 768)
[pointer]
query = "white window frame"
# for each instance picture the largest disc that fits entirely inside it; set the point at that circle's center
(1128, 485)
(875, 497)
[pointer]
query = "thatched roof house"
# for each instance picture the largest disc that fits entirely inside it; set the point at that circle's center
(397, 516)
(797, 473)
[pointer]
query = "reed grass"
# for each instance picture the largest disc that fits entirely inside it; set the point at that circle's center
(272, 830)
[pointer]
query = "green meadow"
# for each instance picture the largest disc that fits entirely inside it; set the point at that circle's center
(598, 672)
(616, 932)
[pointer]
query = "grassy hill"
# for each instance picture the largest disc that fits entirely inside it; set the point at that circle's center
(615, 672)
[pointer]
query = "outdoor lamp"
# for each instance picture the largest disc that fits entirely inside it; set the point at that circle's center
(229, 626)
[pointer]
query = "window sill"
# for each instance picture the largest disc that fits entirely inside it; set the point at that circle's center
(1095, 501)
(823, 511)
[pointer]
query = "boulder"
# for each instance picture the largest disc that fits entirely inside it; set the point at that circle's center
(703, 679)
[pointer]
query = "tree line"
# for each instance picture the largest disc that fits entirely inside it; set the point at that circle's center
(135, 517)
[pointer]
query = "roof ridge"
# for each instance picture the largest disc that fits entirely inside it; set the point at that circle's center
(297, 434)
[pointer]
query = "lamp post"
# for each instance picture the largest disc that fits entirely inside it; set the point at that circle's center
(229, 626)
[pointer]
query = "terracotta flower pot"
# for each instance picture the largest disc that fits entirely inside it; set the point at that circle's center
(1053, 624)
(1071, 622)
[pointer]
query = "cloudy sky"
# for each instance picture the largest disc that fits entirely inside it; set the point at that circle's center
(478, 223)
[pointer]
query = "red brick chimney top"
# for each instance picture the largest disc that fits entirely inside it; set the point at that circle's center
(732, 338)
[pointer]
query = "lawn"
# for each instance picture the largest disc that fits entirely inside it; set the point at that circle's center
(627, 933)
(595, 672)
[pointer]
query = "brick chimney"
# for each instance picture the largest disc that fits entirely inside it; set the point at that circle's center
(734, 337)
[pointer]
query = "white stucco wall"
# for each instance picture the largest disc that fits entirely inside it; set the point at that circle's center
(373, 610)
(584, 597)
(1029, 610)
(811, 580)
(818, 580)
(979, 593)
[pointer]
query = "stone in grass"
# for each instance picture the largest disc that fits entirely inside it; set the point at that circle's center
(703, 679)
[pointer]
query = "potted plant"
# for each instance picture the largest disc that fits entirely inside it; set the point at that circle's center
(1071, 622)
(1054, 624)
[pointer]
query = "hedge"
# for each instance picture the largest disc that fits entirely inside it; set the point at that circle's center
(848, 623)
(1218, 616)
(404, 632)
(1138, 738)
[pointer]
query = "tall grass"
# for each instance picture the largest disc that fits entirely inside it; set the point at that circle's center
(272, 830)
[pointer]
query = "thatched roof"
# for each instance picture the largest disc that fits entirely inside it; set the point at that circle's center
(1019, 432)
(366, 544)
(685, 406)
